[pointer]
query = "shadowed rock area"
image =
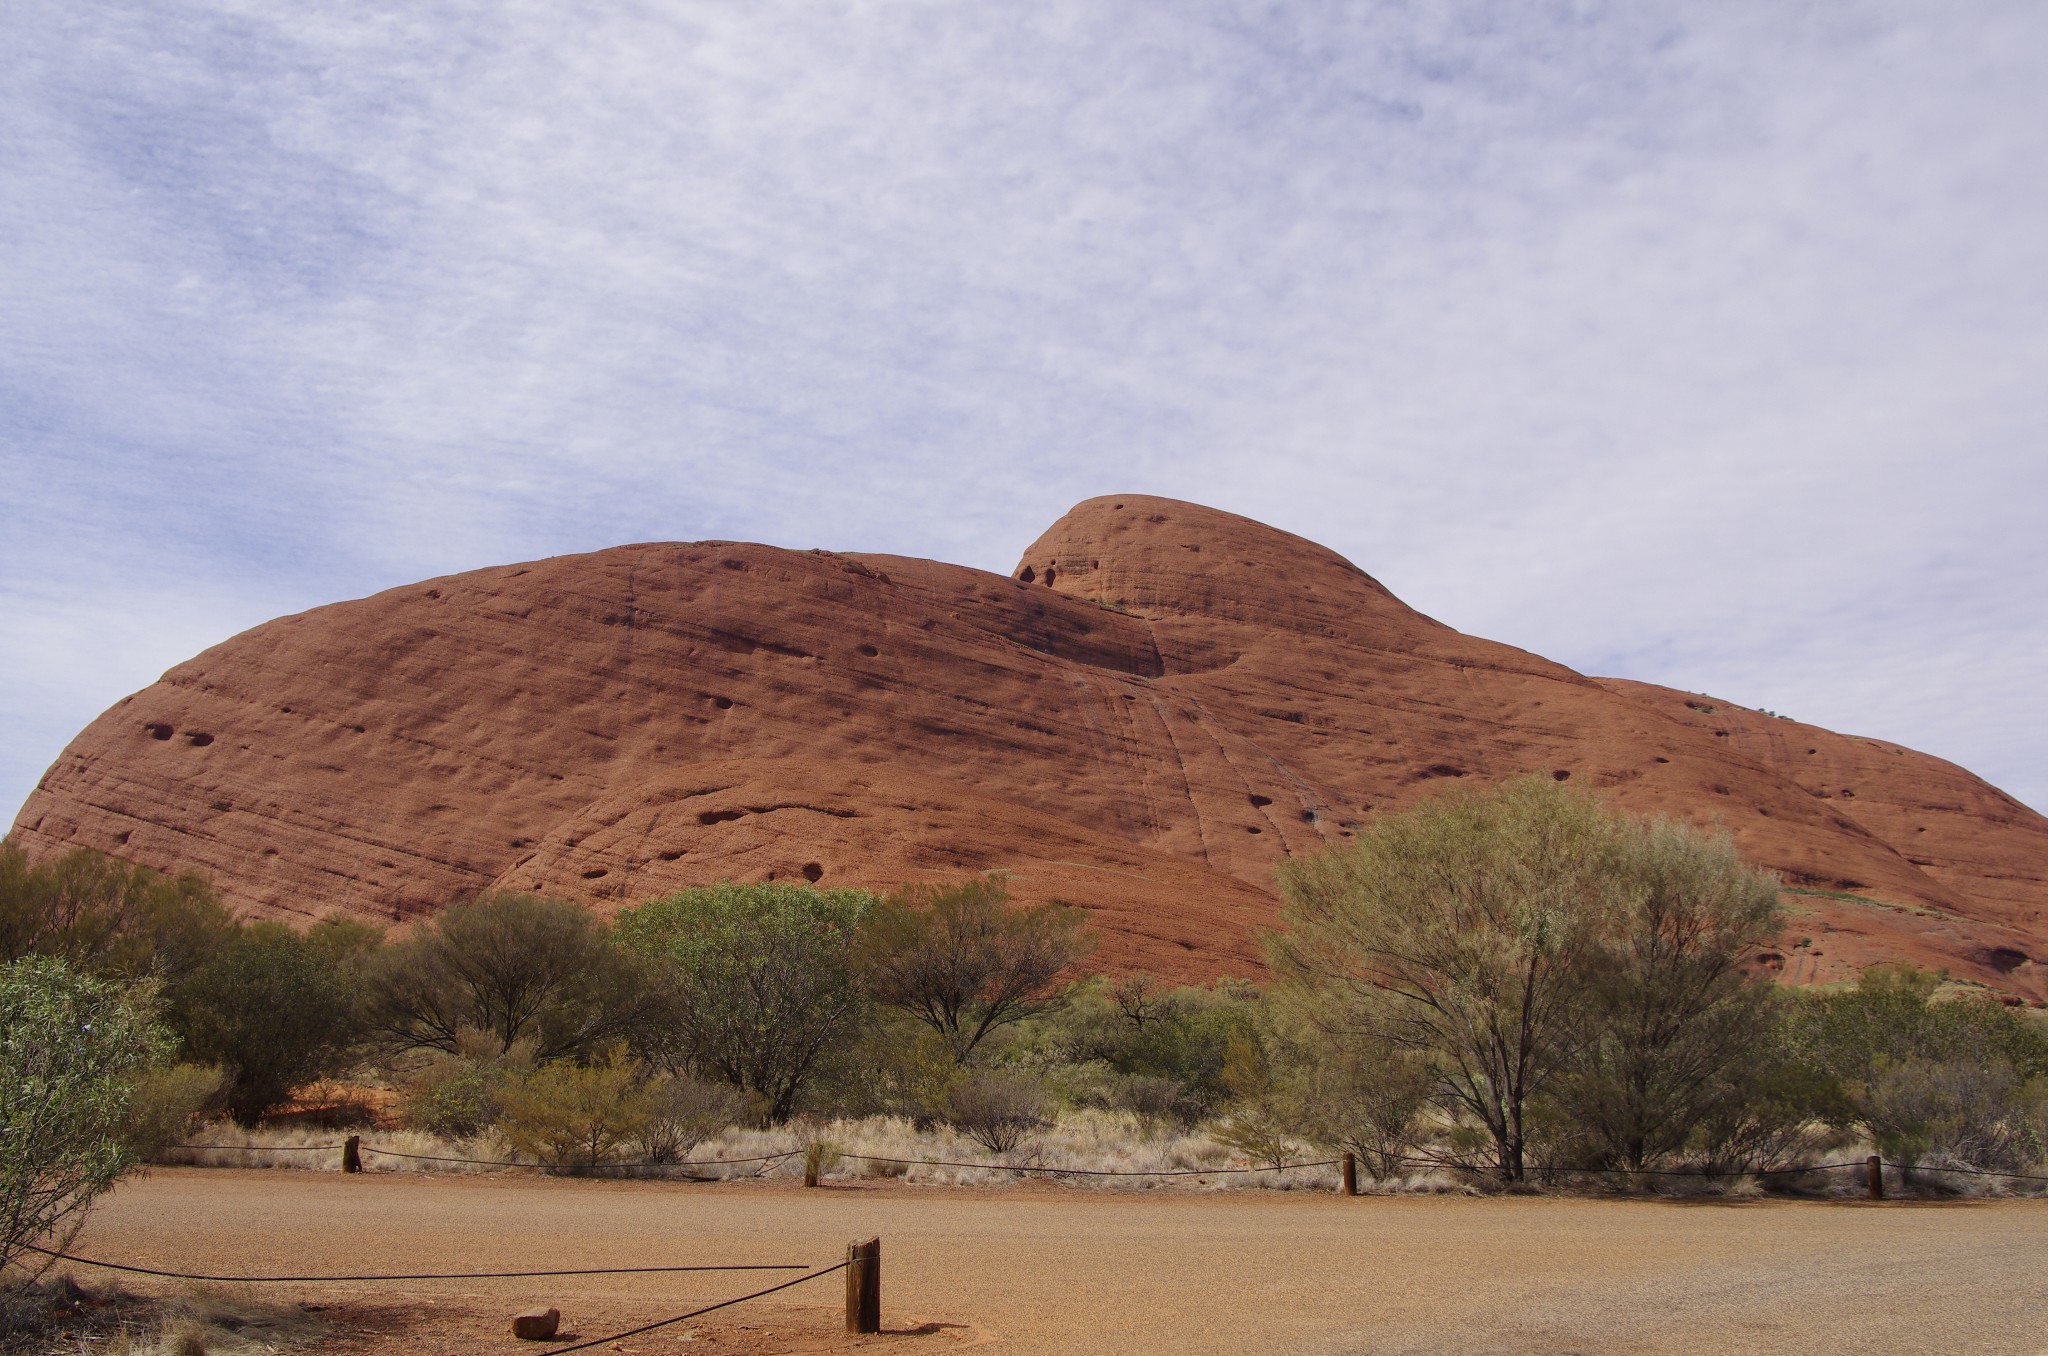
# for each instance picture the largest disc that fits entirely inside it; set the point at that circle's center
(1159, 704)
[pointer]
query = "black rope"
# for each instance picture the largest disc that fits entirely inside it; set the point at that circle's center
(259, 1148)
(422, 1276)
(722, 1304)
(1974, 1172)
(1085, 1172)
(484, 1162)
(1638, 1172)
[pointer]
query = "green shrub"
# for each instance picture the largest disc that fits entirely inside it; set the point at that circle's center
(1556, 966)
(963, 961)
(1928, 1074)
(756, 983)
(1258, 1122)
(571, 1115)
(516, 967)
(106, 917)
(165, 1104)
(683, 1112)
(71, 1048)
(998, 1109)
(272, 1011)
(1156, 1051)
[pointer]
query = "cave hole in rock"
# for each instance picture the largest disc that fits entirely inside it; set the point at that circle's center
(1253, 828)
(199, 739)
(270, 852)
(671, 854)
(223, 806)
(1260, 802)
(870, 651)
(1048, 576)
(1442, 770)
(1720, 790)
(123, 836)
(722, 703)
(719, 816)
(1662, 759)
(2006, 959)
(1308, 816)
(813, 872)
(1027, 575)
(596, 873)
(1562, 774)
(159, 731)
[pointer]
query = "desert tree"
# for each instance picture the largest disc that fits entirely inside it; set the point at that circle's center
(755, 983)
(106, 917)
(1928, 1072)
(517, 968)
(71, 1048)
(965, 962)
(273, 1010)
(1467, 931)
(1679, 1029)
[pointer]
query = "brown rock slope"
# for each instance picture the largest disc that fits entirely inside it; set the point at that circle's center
(1160, 704)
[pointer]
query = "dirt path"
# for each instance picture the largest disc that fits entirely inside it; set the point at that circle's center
(1058, 1270)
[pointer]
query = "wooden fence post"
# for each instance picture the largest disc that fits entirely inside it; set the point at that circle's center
(864, 1286)
(1350, 1173)
(352, 1154)
(814, 1158)
(1874, 1170)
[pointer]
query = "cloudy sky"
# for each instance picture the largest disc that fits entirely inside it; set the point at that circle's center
(1703, 344)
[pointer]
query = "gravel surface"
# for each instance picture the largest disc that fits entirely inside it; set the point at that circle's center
(1048, 1269)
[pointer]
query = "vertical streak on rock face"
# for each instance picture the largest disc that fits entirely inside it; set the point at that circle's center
(1155, 707)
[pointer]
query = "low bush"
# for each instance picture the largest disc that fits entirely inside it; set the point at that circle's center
(998, 1110)
(683, 1112)
(165, 1104)
(571, 1116)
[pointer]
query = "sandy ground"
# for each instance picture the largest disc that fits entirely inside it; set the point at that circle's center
(1047, 1269)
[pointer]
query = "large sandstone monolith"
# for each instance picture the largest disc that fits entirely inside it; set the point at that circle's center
(1156, 706)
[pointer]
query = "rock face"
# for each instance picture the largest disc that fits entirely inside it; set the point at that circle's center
(1158, 705)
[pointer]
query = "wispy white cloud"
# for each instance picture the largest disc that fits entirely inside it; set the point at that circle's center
(1697, 344)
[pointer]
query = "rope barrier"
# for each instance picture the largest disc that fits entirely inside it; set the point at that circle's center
(1974, 1172)
(484, 1162)
(1044, 1170)
(1085, 1172)
(419, 1276)
(722, 1304)
(1642, 1172)
(260, 1148)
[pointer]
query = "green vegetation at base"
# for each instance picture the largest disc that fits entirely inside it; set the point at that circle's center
(1517, 983)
